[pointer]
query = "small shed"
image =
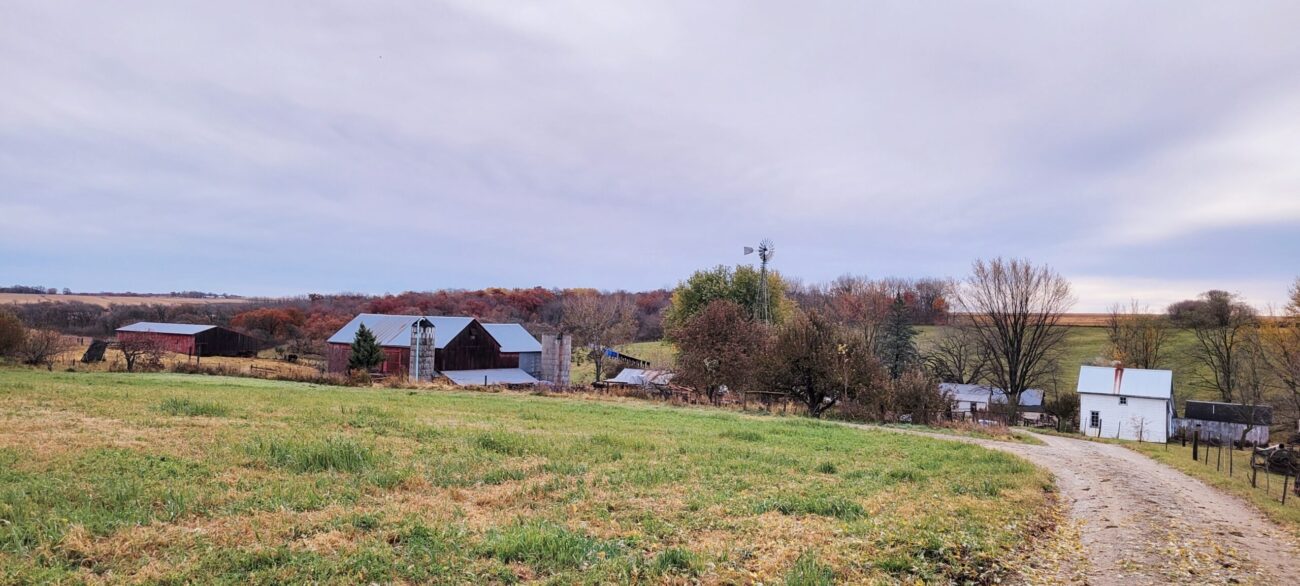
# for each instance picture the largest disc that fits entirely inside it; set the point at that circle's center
(1226, 421)
(190, 339)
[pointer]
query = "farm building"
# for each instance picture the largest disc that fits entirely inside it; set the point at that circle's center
(639, 377)
(1126, 403)
(464, 350)
(516, 341)
(190, 339)
(968, 399)
(1226, 421)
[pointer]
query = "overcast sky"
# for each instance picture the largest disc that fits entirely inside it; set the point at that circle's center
(1145, 150)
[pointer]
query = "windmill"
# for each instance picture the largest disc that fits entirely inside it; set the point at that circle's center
(766, 250)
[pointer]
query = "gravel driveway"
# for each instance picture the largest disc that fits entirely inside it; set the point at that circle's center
(1141, 522)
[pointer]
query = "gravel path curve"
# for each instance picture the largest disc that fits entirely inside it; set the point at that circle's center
(1142, 522)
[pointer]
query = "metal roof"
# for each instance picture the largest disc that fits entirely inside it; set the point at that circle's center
(395, 330)
(642, 377)
(513, 338)
(1228, 412)
(980, 394)
(490, 376)
(162, 328)
(1128, 382)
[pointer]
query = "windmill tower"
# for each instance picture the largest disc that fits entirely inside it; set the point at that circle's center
(766, 250)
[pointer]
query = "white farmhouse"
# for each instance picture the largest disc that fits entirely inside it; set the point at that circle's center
(1126, 403)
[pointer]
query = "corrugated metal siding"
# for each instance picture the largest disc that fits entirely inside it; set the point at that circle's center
(531, 363)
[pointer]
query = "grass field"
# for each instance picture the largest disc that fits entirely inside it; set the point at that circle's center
(107, 300)
(113, 477)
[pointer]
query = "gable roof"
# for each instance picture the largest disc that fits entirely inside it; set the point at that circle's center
(165, 328)
(1128, 382)
(395, 330)
(1228, 412)
(513, 338)
(980, 394)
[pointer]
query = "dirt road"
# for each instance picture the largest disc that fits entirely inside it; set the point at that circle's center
(1142, 522)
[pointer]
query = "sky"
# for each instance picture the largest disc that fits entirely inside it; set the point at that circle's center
(1145, 151)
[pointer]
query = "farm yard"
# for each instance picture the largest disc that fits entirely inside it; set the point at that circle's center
(171, 478)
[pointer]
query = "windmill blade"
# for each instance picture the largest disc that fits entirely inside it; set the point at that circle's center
(766, 249)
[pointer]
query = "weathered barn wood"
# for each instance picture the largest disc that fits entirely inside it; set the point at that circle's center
(190, 339)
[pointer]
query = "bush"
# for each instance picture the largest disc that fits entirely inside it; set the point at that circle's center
(12, 333)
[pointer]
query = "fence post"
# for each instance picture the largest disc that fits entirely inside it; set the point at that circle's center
(1218, 462)
(1254, 472)
(1196, 444)
(1285, 479)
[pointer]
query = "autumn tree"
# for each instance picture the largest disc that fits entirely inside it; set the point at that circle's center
(43, 347)
(812, 361)
(143, 352)
(956, 355)
(896, 347)
(1280, 343)
(12, 333)
(1136, 337)
(718, 347)
(740, 285)
(1015, 310)
(918, 394)
(366, 352)
(1222, 325)
(598, 322)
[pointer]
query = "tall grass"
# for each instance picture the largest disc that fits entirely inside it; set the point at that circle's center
(334, 453)
(191, 408)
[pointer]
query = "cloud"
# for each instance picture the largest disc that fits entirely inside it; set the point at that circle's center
(412, 145)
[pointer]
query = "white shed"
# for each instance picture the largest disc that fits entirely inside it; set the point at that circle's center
(1126, 403)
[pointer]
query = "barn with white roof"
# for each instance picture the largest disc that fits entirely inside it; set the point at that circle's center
(1126, 403)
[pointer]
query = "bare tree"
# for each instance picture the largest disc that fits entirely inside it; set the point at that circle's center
(142, 352)
(1137, 337)
(1015, 311)
(598, 322)
(43, 347)
(1223, 326)
(957, 356)
(12, 333)
(1280, 342)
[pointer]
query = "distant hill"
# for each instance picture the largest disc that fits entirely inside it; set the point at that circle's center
(107, 300)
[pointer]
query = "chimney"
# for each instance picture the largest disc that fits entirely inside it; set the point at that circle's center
(1119, 377)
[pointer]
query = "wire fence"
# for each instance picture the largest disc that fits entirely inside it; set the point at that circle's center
(1271, 469)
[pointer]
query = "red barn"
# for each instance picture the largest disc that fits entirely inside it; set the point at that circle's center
(461, 344)
(190, 339)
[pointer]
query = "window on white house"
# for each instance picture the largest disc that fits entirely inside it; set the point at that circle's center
(1123, 400)
(1094, 420)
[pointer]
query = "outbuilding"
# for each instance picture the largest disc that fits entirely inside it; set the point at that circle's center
(1226, 421)
(969, 400)
(190, 339)
(1126, 403)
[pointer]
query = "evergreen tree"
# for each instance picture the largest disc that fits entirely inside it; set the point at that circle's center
(366, 353)
(897, 344)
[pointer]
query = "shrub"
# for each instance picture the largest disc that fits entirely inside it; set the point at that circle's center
(189, 408)
(827, 468)
(12, 333)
